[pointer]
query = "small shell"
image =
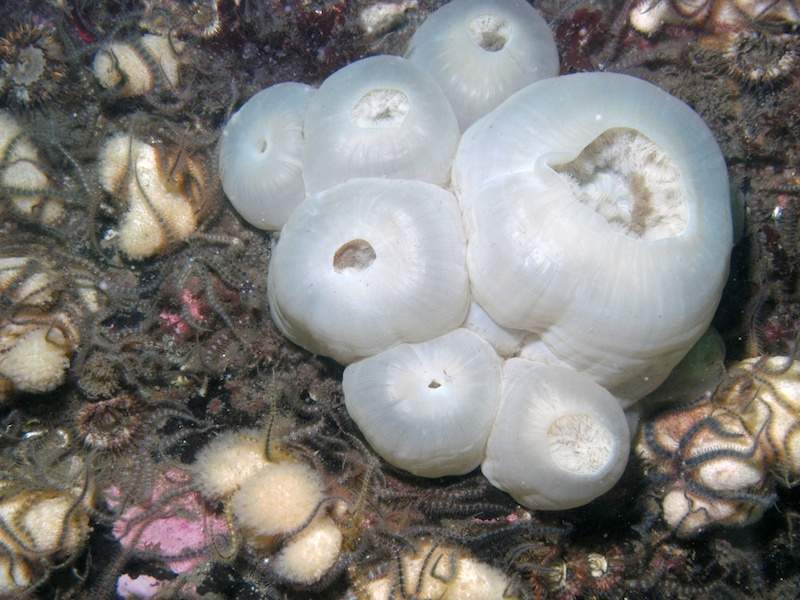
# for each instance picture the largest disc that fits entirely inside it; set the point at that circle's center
(427, 408)
(378, 117)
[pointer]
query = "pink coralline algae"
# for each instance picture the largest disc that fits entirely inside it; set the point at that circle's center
(174, 322)
(174, 523)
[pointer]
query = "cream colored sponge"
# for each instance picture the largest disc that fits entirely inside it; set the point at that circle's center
(311, 553)
(277, 500)
(224, 464)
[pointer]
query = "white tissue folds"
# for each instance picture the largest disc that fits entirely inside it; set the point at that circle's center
(559, 440)
(260, 160)
(379, 117)
(599, 219)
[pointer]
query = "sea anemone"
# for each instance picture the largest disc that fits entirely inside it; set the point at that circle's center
(224, 464)
(23, 181)
(644, 190)
(385, 117)
(559, 439)
(140, 66)
(427, 408)
(368, 264)
(163, 192)
(32, 65)
(482, 51)
(275, 501)
(260, 157)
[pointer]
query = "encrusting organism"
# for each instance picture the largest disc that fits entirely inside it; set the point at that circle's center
(429, 569)
(276, 505)
(198, 18)
(32, 65)
(163, 193)
(25, 188)
(42, 312)
(648, 16)
(719, 458)
(145, 65)
(46, 499)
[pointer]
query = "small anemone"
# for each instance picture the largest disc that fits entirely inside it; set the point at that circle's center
(31, 65)
(109, 424)
(757, 58)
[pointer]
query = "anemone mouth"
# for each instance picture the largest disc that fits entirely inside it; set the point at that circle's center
(263, 146)
(434, 384)
(381, 108)
(355, 255)
(490, 32)
(28, 68)
(631, 182)
(580, 445)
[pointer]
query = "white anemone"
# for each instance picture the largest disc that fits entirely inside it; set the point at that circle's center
(427, 408)
(368, 264)
(260, 159)
(559, 440)
(379, 117)
(482, 51)
(600, 221)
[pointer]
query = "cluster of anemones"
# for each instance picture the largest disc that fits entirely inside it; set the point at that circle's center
(721, 456)
(429, 208)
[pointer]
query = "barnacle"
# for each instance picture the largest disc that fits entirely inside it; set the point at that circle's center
(32, 65)
(110, 424)
(755, 57)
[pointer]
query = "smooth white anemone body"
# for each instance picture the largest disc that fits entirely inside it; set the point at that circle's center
(506, 342)
(427, 408)
(369, 264)
(261, 153)
(482, 51)
(599, 219)
(559, 440)
(379, 117)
